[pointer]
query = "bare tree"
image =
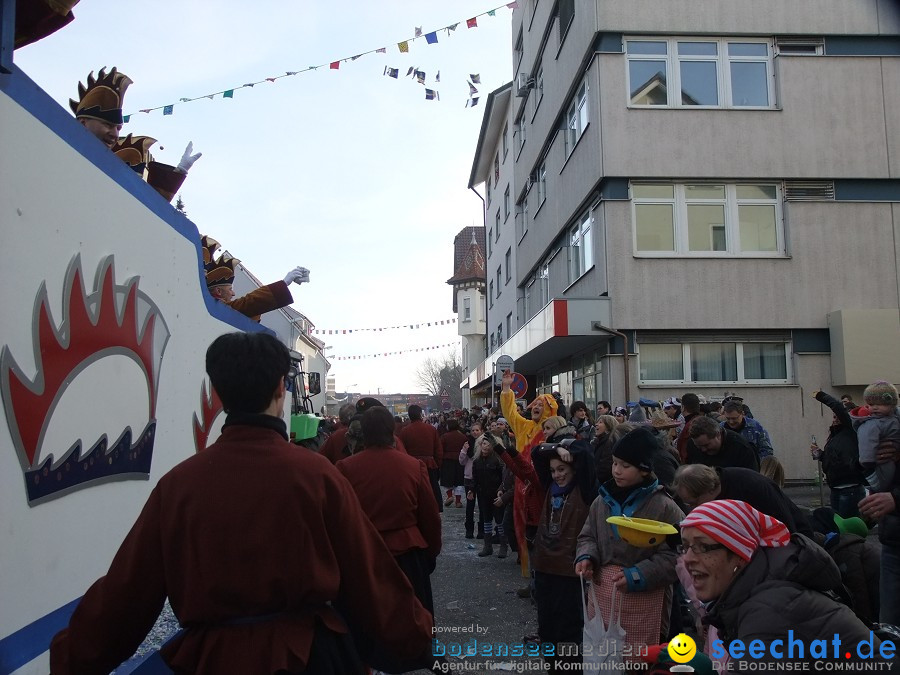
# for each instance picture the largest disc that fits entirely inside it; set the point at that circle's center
(442, 373)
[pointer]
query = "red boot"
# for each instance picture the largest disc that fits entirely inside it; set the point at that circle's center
(459, 503)
(449, 500)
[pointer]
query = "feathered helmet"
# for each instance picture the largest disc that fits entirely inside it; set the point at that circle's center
(219, 271)
(102, 98)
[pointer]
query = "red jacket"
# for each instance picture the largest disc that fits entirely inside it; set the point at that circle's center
(452, 443)
(251, 526)
(396, 494)
(421, 440)
(333, 448)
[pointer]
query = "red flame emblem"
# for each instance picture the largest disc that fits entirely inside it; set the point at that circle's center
(113, 319)
(211, 406)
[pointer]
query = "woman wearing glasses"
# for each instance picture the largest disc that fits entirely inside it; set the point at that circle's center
(640, 577)
(759, 582)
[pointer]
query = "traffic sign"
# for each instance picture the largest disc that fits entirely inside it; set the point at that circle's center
(503, 363)
(519, 385)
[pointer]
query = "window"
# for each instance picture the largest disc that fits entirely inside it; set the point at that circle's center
(499, 335)
(581, 251)
(496, 169)
(509, 324)
(505, 140)
(522, 217)
(519, 51)
(499, 276)
(520, 131)
(543, 289)
(488, 199)
(489, 240)
(508, 264)
(565, 12)
(715, 362)
(506, 204)
(723, 220)
(483, 314)
(529, 298)
(467, 309)
(542, 183)
(711, 73)
(491, 293)
(576, 118)
(497, 226)
(492, 342)
(539, 86)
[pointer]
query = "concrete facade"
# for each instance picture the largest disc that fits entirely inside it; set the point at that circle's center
(773, 207)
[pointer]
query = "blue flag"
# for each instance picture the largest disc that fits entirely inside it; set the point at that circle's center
(431, 38)
(167, 110)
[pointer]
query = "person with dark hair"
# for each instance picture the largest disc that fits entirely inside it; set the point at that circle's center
(335, 448)
(581, 421)
(604, 408)
(690, 410)
(696, 484)
(423, 441)
(712, 445)
(752, 431)
(562, 468)
(256, 544)
(395, 492)
(451, 470)
(487, 479)
(840, 459)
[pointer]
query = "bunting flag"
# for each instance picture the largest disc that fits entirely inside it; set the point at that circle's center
(430, 37)
(394, 353)
(472, 89)
(472, 102)
(437, 78)
(420, 76)
(475, 77)
(126, 119)
(432, 95)
(411, 326)
(391, 72)
(411, 70)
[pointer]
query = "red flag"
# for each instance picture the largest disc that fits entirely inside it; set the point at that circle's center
(472, 23)
(335, 65)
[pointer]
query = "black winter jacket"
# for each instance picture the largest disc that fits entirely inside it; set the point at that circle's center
(840, 456)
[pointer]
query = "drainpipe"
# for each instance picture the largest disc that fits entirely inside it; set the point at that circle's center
(597, 326)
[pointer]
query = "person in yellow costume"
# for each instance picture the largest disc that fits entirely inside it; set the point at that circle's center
(529, 433)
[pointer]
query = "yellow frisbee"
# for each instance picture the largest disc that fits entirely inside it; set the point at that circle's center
(640, 531)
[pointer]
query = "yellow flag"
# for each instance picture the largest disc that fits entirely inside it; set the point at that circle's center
(404, 46)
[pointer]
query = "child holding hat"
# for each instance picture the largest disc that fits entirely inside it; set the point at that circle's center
(641, 576)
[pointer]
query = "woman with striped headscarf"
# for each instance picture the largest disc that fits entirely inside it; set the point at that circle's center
(759, 582)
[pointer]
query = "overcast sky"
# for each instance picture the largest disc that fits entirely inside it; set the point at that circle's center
(350, 173)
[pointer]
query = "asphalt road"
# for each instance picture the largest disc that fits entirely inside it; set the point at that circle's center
(475, 599)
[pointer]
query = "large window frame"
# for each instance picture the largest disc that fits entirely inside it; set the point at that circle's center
(581, 247)
(577, 118)
(467, 310)
(725, 239)
(541, 183)
(723, 60)
(508, 263)
(743, 351)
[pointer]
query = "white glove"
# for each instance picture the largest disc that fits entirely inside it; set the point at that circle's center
(187, 159)
(299, 275)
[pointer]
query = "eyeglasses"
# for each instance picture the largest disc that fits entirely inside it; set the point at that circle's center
(698, 548)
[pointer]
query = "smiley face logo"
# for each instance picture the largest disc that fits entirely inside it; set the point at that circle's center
(682, 648)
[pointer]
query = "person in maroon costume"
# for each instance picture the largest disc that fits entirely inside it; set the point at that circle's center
(423, 442)
(255, 543)
(395, 493)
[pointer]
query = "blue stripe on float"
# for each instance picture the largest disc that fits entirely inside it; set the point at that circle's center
(29, 642)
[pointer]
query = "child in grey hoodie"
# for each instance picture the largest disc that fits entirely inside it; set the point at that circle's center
(882, 424)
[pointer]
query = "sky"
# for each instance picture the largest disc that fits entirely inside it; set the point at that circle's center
(349, 173)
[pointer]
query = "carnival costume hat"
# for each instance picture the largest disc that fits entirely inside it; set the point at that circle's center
(737, 526)
(367, 403)
(102, 98)
(637, 448)
(134, 151)
(219, 271)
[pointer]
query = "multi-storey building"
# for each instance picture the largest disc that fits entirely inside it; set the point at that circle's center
(469, 284)
(707, 198)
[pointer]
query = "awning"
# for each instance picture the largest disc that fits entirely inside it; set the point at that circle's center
(562, 328)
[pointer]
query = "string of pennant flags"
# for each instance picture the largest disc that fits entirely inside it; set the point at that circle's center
(363, 357)
(411, 326)
(430, 38)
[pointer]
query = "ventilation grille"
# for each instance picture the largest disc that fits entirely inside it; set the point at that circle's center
(809, 191)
